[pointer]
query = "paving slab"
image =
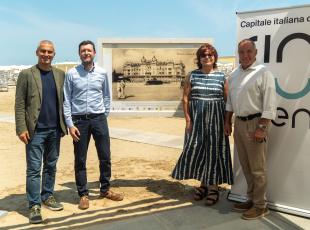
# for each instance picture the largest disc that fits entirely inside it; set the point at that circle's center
(165, 140)
(3, 213)
(199, 216)
(7, 118)
(160, 139)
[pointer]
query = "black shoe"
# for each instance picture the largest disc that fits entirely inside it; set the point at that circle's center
(52, 204)
(35, 216)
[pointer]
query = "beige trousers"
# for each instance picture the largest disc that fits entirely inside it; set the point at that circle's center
(252, 157)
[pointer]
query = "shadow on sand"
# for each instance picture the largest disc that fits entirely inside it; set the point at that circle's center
(172, 194)
(168, 190)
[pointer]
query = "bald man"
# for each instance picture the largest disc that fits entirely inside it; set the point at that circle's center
(252, 98)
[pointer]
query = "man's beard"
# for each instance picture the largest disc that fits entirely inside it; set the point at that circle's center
(88, 62)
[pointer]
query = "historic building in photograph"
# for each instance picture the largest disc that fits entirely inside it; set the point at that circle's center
(168, 71)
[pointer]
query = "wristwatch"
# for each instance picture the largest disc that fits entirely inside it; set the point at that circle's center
(262, 126)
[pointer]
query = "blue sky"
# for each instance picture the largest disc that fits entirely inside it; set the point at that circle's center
(67, 22)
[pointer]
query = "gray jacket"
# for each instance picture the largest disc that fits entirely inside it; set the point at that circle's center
(28, 99)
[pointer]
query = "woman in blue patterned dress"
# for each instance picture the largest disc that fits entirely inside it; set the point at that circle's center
(206, 153)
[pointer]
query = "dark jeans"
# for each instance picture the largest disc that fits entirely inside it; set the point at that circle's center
(98, 128)
(44, 145)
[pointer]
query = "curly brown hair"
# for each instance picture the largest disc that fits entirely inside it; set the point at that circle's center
(200, 53)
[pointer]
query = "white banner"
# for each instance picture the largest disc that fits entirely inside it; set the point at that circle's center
(283, 41)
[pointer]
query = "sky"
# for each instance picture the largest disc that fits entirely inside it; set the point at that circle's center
(67, 22)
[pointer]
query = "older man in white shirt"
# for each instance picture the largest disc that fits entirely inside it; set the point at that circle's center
(252, 97)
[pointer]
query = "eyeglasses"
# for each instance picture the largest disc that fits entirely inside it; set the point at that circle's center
(207, 55)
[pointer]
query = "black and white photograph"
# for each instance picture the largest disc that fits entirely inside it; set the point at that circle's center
(150, 74)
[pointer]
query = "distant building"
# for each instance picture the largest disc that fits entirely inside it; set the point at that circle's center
(65, 66)
(9, 74)
(227, 59)
(144, 70)
(3, 85)
(226, 64)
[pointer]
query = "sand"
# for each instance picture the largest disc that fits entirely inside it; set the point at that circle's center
(140, 171)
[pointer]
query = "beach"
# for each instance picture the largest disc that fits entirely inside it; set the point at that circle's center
(140, 171)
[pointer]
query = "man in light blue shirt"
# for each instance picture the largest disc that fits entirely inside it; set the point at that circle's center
(86, 107)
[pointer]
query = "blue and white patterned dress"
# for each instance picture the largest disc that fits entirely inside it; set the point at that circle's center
(206, 152)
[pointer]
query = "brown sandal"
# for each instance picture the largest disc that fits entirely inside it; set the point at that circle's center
(200, 193)
(210, 197)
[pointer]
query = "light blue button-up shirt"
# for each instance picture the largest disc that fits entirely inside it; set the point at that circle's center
(86, 92)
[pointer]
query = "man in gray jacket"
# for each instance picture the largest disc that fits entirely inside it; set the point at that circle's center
(40, 124)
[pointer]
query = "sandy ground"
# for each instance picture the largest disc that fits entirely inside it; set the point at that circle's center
(142, 92)
(7, 101)
(139, 171)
